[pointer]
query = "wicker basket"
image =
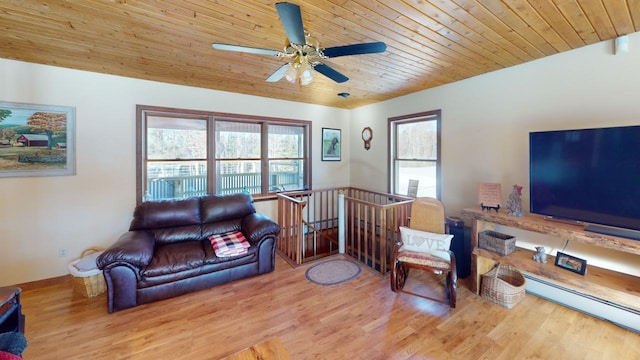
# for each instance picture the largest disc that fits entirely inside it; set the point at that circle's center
(502, 244)
(503, 285)
(87, 283)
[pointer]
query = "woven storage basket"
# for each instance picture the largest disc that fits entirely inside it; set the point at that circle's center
(503, 285)
(87, 283)
(502, 244)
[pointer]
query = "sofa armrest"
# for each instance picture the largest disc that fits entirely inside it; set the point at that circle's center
(133, 248)
(256, 226)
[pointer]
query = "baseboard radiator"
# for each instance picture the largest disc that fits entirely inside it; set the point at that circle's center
(618, 314)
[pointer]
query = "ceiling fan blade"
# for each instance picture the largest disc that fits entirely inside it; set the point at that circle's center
(291, 20)
(329, 72)
(244, 49)
(355, 49)
(278, 74)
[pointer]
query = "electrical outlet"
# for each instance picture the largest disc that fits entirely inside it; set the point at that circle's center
(62, 252)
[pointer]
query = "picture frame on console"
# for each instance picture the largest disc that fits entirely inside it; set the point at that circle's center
(36, 140)
(571, 263)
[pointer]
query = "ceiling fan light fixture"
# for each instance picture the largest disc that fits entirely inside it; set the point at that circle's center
(306, 80)
(305, 72)
(292, 73)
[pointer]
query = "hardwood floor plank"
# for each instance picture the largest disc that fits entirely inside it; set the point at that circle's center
(360, 319)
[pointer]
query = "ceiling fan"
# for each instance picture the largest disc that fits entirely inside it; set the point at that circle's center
(303, 50)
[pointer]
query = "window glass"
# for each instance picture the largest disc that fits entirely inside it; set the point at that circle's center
(176, 158)
(171, 138)
(418, 140)
(238, 157)
(424, 172)
(185, 153)
(415, 153)
(286, 158)
(237, 140)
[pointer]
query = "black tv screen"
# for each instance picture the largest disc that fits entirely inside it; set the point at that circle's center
(587, 175)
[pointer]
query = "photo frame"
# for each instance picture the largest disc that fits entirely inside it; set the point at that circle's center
(331, 144)
(489, 196)
(36, 140)
(571, 263)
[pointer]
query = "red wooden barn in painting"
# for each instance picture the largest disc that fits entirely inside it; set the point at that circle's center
(33, 140)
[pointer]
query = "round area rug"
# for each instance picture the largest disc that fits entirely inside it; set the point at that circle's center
(333, 272)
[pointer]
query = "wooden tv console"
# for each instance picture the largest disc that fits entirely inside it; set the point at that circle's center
(602, 283)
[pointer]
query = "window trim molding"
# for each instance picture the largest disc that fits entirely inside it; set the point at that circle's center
(142, 111)
(416, 117)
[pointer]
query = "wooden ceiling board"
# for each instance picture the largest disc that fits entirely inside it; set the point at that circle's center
(495, 39)
(634, 9)
(599, 18)
(620, 14)
(548, 13)
(429, 42)
(457, 32)
(578, 20)
(517, 24)
(489, 19)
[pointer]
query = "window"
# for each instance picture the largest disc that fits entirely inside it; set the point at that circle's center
(415, 153)
(185, 153)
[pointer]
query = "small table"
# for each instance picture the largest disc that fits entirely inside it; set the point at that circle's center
(11, 317)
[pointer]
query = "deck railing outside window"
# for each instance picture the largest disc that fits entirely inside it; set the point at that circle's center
(182, 186)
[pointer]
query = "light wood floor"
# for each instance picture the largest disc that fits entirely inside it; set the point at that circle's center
(360, 319)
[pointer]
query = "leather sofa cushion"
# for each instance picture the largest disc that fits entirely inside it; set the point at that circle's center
(216, 208)
(166, 214)
(221, 227)
(177, 234)
(174, 262)
(175, 258)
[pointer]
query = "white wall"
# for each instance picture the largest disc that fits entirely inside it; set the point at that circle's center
(39, 215)
(486, 120)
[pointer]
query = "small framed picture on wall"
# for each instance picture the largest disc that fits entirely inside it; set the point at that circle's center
(331, 144)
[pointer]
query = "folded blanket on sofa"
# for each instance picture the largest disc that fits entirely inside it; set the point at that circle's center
(229, 244)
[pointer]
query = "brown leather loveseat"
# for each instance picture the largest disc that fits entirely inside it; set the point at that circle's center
(167, 251)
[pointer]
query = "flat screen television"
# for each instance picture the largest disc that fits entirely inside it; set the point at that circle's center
(588, 175)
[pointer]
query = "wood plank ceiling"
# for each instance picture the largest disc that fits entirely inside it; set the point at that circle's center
(430, 42)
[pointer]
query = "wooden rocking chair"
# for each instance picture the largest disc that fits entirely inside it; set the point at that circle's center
(427, 216)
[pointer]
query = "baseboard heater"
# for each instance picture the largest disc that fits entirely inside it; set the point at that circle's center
(606, 310)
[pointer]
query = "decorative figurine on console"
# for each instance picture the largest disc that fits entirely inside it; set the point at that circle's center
(514, 202)
(540, 255)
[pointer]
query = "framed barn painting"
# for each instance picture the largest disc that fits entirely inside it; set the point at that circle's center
(36, 140)
(331, 144)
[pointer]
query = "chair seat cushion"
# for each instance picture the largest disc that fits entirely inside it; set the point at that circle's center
(425, 259)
